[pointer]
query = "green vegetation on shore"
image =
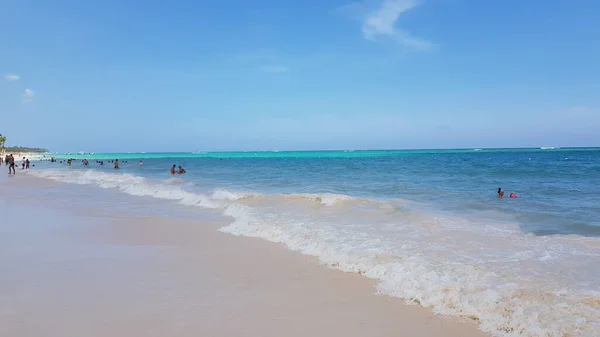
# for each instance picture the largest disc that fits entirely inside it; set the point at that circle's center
(23, 149)
(20, 149)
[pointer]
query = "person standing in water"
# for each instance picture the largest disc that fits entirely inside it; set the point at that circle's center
(181, 170)
(500, 193)
(117, 164)
(173, 169)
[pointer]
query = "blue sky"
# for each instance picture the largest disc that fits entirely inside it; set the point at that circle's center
(273, 75)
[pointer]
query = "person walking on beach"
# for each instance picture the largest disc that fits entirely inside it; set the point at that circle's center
(11, 164)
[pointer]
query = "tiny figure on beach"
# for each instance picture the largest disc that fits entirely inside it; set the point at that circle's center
(513, 195)
(141, 163)
(27, 164)
(116, 164)
(181, 170)
(23, 164)
(173, 170)
(500, 193)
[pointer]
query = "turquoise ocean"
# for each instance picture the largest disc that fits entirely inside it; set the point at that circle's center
(426, 224)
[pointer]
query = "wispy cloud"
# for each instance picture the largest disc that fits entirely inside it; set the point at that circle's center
(28, 96)
(274, 69)
(12, 77)
(380, 20)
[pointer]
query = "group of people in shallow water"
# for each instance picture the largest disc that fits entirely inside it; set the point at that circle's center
(9, 160)
(85, 162)
(181, 170)
(501, 194)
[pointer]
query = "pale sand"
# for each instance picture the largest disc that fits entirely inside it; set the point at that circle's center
(30, 155)
(102, 274)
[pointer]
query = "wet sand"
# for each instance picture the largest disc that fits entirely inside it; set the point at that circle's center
(90, 272)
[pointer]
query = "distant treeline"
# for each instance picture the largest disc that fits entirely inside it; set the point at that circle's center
(25, 149)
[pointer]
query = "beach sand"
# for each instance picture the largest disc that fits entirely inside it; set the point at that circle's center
(89, 272)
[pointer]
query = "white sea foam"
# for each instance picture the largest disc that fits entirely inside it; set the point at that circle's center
(175, 181)
(326, 199)
(513, 283)
(222, 194)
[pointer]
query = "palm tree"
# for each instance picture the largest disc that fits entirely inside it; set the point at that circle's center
(2, 141)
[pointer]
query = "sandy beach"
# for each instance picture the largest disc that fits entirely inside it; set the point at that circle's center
(33, 157)
(89, 272)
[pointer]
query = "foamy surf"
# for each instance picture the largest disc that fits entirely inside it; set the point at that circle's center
(514, 284)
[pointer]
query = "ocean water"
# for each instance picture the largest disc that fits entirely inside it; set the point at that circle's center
(426, 224)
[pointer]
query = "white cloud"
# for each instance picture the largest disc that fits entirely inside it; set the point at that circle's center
(28, 96)
(380, 21)
(12, 77)
(274, 69)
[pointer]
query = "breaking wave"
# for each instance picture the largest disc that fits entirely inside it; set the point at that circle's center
(514, 284)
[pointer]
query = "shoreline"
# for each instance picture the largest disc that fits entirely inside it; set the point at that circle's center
(211, 282)
(31, 155)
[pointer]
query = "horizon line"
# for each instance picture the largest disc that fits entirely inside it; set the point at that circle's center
(341, 150)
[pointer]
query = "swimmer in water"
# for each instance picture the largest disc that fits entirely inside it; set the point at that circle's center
(513, 195)
(500, 193)
(117, 164)
(141, 163)
(181, 170)
(173, 169)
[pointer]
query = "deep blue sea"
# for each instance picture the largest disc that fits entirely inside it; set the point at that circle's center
(428, 225)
